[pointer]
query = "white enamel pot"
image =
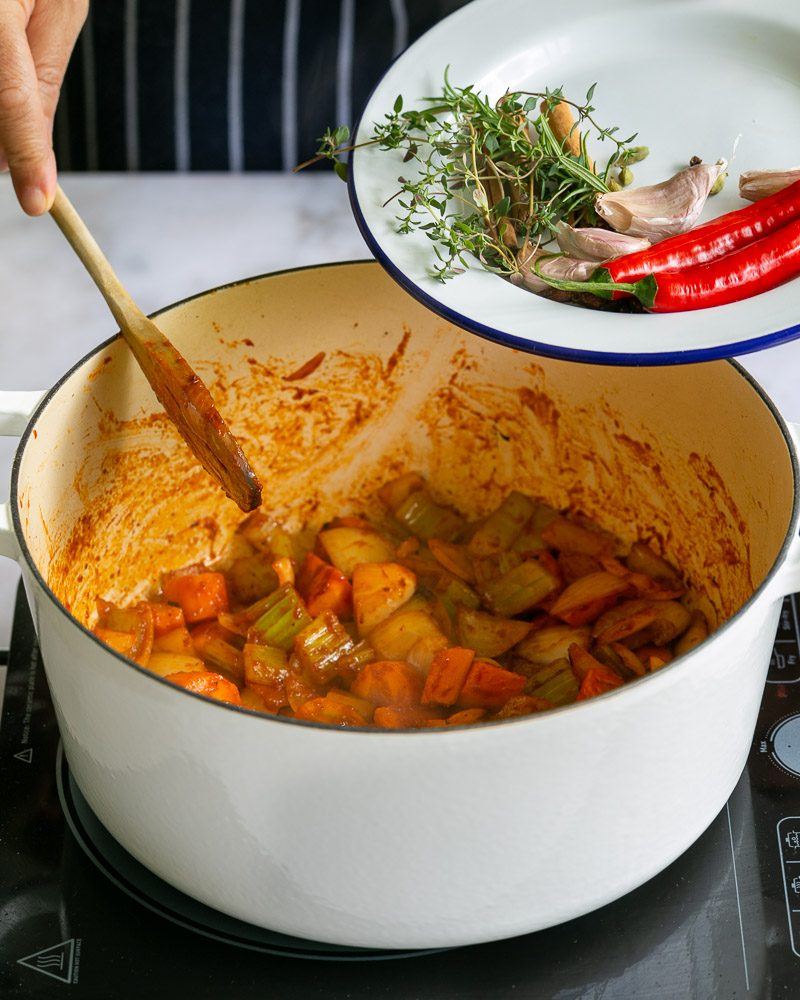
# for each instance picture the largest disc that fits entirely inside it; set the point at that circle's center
(422, 838)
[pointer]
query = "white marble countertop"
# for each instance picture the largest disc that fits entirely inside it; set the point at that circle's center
(171, 236)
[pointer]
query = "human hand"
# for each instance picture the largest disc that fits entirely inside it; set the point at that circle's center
(36, 41)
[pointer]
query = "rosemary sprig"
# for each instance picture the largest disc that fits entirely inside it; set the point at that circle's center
(489, 180)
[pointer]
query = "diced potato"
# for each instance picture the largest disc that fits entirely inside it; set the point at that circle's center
(379, 589)
(178, 640)
(394, 638)
(551, 642)
(251, 577)
(173, 663)
(347, 547)
(588, 597)
(210, 684)
(695, 633)
(137, 622)
(643, 559)
(487, 634)
(567, 536)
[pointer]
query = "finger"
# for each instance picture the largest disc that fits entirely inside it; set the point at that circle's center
(24, 134)
(52, 32)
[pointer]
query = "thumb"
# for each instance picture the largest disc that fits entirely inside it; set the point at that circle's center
(24, 132)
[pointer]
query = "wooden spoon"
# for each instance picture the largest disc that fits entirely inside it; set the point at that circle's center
(179, 389)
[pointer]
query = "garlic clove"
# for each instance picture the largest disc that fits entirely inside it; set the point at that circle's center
(597, 244)
(660, 210)
(562, 267)
(756, 184)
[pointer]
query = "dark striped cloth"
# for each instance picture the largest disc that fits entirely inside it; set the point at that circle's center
(225, 84)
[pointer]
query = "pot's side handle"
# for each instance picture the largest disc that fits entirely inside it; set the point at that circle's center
(787, 579)
(16, 408)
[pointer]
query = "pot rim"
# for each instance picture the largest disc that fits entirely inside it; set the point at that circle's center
(593, 704)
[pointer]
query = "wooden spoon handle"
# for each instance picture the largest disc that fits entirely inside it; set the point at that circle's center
(178, 388)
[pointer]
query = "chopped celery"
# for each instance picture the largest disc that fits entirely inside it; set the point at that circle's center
(320, 647)
(264, 664)
(501, 528)
(283, 617)
(426, 519)
(530, 538)
(520, 589)
(560, 687)
(457, 593)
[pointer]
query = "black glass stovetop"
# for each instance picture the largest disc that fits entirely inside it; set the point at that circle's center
(79, 918)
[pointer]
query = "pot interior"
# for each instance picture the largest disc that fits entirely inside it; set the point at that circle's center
(689, 457)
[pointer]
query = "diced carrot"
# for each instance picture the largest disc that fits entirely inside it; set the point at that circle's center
(324, 588)
(489, 686)
(166, 617)
(405, 717)
(466, 717)
(597, 681)
(201, 595)
(208, 683)
(336, 708)
(388, 682)
(447, 675)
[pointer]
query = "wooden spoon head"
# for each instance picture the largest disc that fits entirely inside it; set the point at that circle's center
(189, 405)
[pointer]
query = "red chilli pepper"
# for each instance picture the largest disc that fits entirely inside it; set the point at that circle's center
(754, 268)
(718, 238)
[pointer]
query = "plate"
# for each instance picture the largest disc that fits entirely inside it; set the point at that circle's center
(708, 78)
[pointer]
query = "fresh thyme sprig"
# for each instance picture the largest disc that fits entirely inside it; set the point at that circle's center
(488, 180)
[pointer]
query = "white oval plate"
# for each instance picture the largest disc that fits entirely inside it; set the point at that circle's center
(712, 78)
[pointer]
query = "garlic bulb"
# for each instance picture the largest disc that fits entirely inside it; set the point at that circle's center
(660, 210)
(755, 184)
(597, 244)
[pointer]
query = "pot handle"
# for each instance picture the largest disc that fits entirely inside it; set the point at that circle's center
(16, 409)
(787, 580)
